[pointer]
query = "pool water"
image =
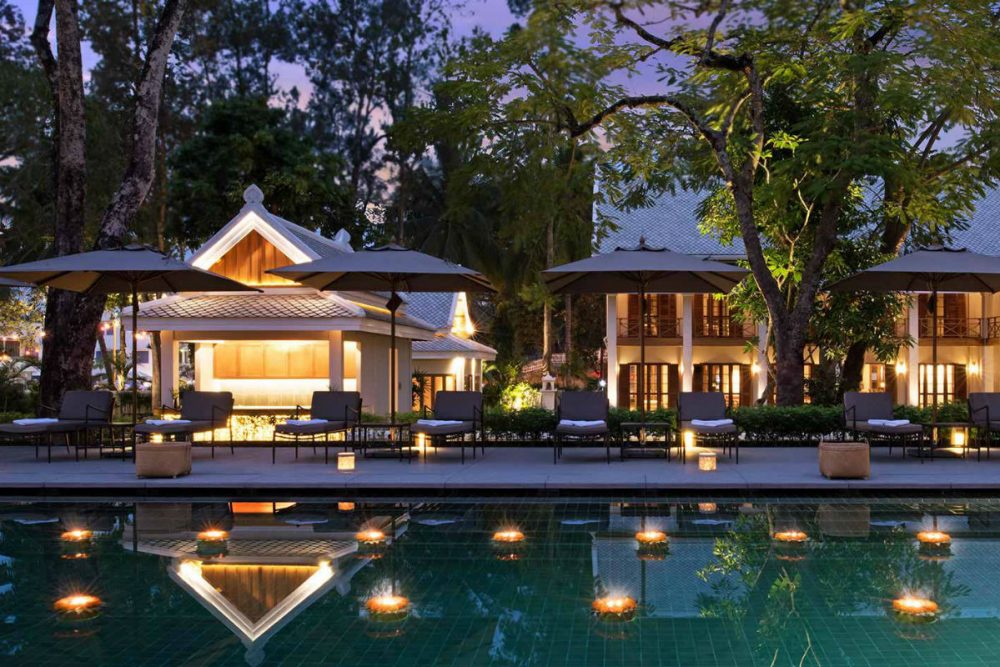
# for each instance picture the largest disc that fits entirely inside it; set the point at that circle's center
(733, 583)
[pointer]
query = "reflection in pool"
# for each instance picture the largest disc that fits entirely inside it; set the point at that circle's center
(595, 582)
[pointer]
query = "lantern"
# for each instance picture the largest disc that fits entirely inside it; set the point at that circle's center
(707, 461)
(345, 461)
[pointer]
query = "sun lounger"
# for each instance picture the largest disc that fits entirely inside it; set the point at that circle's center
(581, 417)
(201, 412)
(703, 413)
(456, 414)
(869, 415)
(330, 412)
(80, 412)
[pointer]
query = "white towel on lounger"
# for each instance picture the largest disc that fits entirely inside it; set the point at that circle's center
(164, 422)
(581, 422)
(438, 422)
(711, 422)
(35, 421)
(306, 422)
(888, 422)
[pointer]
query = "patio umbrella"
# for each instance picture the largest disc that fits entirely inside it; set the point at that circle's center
(933, 269)
(390, 268)
(128, 270)
(643, 269)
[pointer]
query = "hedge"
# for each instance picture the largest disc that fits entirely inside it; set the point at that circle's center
(760, 424)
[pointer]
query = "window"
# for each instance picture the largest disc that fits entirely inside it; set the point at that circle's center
(272, 360)
(733, 380)
(661, 317)
(426, 386)
(10, 348)
(660, 385)
(951, 385)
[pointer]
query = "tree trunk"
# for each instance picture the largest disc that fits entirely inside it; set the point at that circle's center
(72, 320)
(790, 372)
(154, 362)
(854, 365)
(547, 307)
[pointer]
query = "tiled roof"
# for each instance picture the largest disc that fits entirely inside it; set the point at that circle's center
(451, 343)
(670, 222)
(321, 245)
(982, 234)
(432, 307)
(252, 306)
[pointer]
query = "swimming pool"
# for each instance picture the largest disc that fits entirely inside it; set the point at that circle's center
(352, 582)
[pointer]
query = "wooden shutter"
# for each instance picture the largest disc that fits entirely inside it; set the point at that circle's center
(673, 384)
(961, 383)
(954, 306)
(666, 306)
(699, 378)
(632, 313)
(922, 308)
(624, 376)
(698, 314)
(746, 396)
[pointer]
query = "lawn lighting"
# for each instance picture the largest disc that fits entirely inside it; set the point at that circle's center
(615, 608)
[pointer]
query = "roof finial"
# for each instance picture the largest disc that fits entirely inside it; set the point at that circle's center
(253, 195)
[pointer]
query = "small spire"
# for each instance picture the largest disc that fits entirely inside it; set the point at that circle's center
(253, 195)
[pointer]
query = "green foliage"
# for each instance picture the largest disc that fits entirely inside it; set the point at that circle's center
(800, 423)
(616, 416)
(957, 411)
(524, 423)
(518, 396)
(18, 392)
(242, 141)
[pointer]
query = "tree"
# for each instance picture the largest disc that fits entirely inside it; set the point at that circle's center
(240, 141)
(864, 78)
(71, 319)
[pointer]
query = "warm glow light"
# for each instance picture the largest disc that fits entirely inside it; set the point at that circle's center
(688, 439)
(651, 537)
(345, 507)
(900, 367)
(795, 536)
(615, 608)
(78, 555)
(708, 508)
(77, 535)
(915, 606)
(974, 368)
(754, 368)
(508, 536)
(707, 461)
(370, 536)
(345, 461)
(213, 535)
(934, 537)
(78, 603)
(388, 607)
(957, 437)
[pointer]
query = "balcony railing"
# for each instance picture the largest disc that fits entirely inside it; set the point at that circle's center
(656, 327)
(952, 327)
(711, 327)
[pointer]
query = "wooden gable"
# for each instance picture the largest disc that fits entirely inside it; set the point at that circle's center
(250, 260)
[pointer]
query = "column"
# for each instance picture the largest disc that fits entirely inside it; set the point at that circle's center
(458, 370)
(611, 336)
(687, 342)
(760, 379)
(169, 379)
(913, 355)
(336, 360)
(404, 367)
(204, 366)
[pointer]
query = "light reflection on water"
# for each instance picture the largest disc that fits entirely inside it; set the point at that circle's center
(500, 583)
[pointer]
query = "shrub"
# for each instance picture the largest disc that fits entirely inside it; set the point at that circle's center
(524, 423)
(772, 423)
(519, 396)
(956, 411)
(617, 416)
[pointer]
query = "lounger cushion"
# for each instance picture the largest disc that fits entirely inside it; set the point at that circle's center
(724, 429)
(882, 429)
(581, 431)
(465, 406)
(705, 405)
(861, 406)
(336, 406)
(311, 429)
(51, 427)
(87, 405)
(982, 404)
(583, 406)
(201, 406)
(173, 429)
(443, 429)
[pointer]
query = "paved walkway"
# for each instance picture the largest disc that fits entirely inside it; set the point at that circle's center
(512, 470)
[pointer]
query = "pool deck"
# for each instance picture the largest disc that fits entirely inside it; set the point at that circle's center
(511, 471)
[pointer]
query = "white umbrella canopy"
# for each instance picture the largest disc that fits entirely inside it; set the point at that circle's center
(932, 269)
(128, 270)
(389, 268)
(643, 269)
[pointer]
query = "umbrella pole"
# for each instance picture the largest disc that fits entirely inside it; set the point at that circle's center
(135, 356)
(934, 361)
